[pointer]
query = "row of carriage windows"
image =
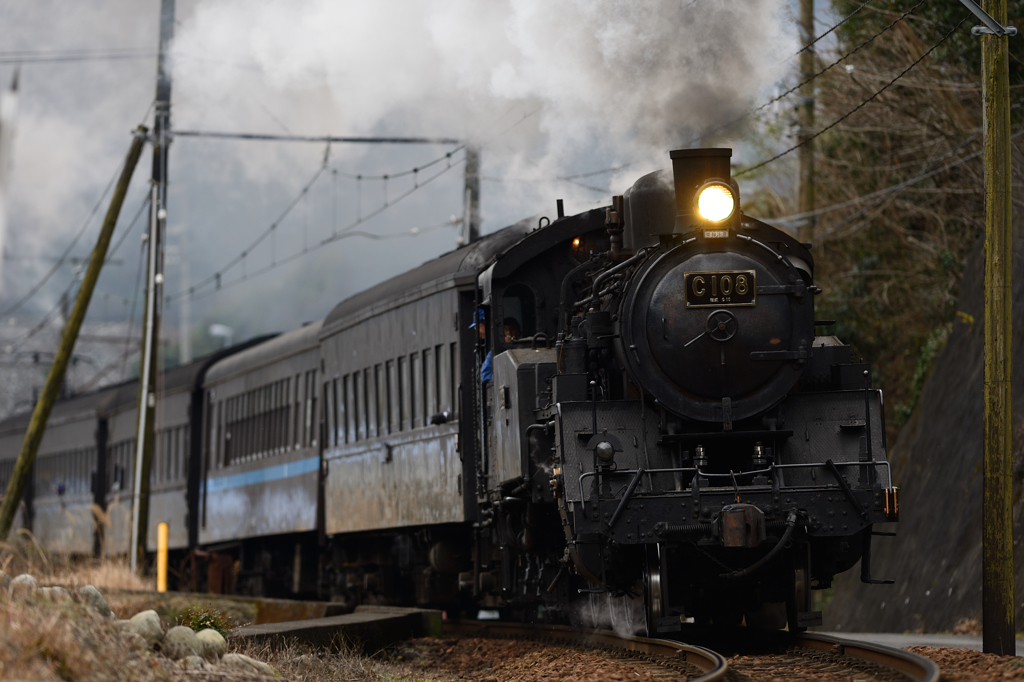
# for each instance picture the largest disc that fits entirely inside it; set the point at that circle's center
(71, 472)
(408, 392)
(65, 473)
(405, 393)
(265, 421)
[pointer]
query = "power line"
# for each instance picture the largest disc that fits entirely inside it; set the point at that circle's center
(51, 56)
(895, 189)
(216, 277)
(840, 59)
(314, 138)
(131, 315)
(841, 22)
(885, 190)
(856, 108)
(67, 252)
(124, 235)
(341, 234)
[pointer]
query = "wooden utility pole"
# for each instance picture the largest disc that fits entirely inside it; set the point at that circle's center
(144, 434)
(997, 497)
(471, 209)
(806, 117)
(41, 413)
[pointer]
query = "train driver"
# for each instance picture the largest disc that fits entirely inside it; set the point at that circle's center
(511, 329)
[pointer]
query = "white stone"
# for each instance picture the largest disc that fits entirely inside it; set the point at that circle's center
(146, 624)
(192, 663)
(179, 642)
(92, 598)
(61, 593)
(244, 664)
(23, 585)
(214, 644)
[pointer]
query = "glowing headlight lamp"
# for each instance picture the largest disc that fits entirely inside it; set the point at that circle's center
(715, 201)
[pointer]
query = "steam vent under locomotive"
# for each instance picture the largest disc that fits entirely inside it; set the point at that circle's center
(708, 456)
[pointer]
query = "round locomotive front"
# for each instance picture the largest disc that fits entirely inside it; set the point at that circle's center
(725, 327)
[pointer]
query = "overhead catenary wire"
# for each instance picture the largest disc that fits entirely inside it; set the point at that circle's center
(838, 61)
(85, 55)
(895, 189)
(67, 252)
(278, 262)
(834, 27)
(857, 108)
(216, 278)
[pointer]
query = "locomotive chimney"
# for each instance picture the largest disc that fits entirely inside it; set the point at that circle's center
(691, 168)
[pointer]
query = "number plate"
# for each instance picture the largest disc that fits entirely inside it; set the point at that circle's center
(724, 288)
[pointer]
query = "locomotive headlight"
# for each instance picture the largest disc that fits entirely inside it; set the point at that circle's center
(715, 202)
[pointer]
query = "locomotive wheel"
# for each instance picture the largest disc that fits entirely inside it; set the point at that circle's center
(799, 598)
(654, 597)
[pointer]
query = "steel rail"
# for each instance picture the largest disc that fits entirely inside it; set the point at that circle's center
(713, 664)
(912, 665)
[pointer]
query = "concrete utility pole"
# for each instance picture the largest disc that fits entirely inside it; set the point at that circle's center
(805, 231)
(997, 498)
(144, 434)
(41, 413)
(471, 209)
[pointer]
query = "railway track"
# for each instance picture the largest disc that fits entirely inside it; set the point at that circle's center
(768, 656)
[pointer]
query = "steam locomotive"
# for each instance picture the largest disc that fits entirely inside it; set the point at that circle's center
(621, 418)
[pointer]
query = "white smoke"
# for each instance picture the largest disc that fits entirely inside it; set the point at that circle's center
(610, 78)
(548, 88)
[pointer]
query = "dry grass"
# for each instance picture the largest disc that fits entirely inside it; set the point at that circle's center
(24, 555)
(302, 663)
(67, 641)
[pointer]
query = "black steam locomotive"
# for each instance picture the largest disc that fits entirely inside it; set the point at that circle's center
(621, 418)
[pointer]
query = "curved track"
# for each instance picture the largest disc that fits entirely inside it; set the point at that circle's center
(913, 666)
(712, 664)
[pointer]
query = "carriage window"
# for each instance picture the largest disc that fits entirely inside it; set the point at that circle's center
(453, 364)
(394, 410)
(415, 390)
(350, 409)
(371, 402)
(441, 382)
(359, 390)
(518, 305)
(403, 392)
(382, 400)
(429, 385)
(329, 414)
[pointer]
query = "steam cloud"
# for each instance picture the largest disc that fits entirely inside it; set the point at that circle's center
(550, 88)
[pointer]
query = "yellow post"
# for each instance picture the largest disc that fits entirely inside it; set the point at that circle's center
(161, 557)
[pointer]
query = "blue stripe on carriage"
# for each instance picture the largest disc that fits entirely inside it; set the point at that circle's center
(274, 473)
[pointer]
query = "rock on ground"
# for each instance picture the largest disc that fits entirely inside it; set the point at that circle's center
(23, 585)
(181, 642)
(146, 624)
(214, 644)
(244, 664)
(193, 663)
(94, 600)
